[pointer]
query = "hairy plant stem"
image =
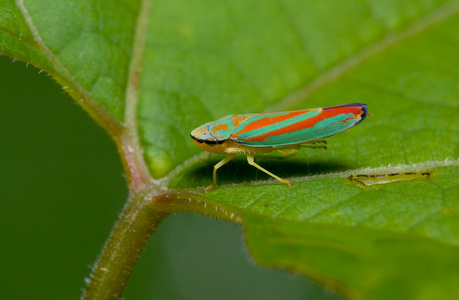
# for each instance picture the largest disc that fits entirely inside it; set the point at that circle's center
(141, 214)
(139, 219)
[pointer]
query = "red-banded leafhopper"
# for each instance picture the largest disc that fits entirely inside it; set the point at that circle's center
(266, 132)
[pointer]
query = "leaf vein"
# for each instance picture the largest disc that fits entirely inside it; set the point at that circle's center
(62, 74)
(355, 60)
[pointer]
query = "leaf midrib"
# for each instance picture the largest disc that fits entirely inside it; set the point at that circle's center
(130, 142)
(401, 168)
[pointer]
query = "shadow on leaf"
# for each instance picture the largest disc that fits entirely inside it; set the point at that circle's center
(239, 171)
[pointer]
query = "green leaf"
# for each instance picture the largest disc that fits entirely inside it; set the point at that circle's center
(396, 240)
(156, 70)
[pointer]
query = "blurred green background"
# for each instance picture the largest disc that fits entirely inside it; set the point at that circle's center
(62, 187)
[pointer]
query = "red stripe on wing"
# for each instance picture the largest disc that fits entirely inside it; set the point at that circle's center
(269, 121)
(356, 111)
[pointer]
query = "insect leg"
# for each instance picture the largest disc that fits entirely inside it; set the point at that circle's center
(250, 160)
(216, 167)
(316, 142)
(207, 157)
(314, 147)
(287, 153)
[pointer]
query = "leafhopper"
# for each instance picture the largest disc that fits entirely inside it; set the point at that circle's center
(278, 131)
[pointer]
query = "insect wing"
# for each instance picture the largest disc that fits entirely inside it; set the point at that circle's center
(296, 127)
